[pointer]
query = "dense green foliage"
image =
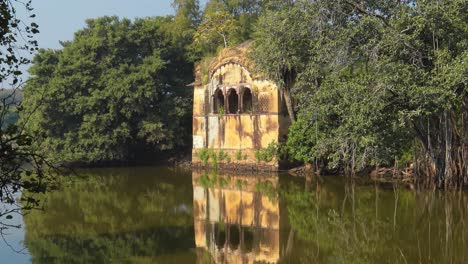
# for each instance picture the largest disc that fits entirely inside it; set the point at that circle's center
(226, 23)
(372, 80)
(117, 89)
(267, 154)
(280, 47)
(219, 24)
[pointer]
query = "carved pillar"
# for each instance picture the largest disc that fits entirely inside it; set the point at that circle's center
(214, 103)
(239, 99)
(226, 100)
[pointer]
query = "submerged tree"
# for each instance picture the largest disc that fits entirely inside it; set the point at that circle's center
(419, 52)
(423, 64)
(374, 81)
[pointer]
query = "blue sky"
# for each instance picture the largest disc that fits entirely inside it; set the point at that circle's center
(59, 19)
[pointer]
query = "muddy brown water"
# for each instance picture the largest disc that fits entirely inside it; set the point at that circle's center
(164, 215)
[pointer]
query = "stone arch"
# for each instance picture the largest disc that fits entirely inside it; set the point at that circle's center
(245, 71)
(247, 100)
(234, 237)
(219, 236)
(247, 239)
(218, 101)
(233, 101)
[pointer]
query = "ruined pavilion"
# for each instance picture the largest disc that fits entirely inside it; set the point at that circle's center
(235, 110)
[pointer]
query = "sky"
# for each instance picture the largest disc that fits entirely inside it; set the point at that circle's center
(59, 19)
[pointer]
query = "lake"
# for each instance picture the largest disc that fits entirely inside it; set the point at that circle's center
(165, 215)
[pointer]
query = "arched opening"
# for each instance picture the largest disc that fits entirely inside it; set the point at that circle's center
(220, 235)
(218, 102)
(234, 237)
(233, 101)
(247, 101)
(247, 237)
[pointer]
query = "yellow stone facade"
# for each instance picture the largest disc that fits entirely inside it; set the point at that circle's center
(234, 110)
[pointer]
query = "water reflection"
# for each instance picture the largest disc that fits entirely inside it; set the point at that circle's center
(159, 215)
(237, 218)
(341, 222)
(115, 215)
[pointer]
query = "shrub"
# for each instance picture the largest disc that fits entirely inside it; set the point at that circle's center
(222, 155)
(239, 155)
(267, 154)
(204, 155)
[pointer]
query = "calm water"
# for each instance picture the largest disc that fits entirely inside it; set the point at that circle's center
(160, 215)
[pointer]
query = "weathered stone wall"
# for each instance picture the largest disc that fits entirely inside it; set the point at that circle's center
(223, 119)
(235, 132)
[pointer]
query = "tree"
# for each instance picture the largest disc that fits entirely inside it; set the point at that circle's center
(246, 13)
(187, 15)
(116, 90)
(226, 23)
(422, 62)
(22, 169)
(186, 20)
(17, 38)
(373, 81)
(282, 38)
(217, 25)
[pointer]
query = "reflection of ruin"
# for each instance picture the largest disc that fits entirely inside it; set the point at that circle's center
(235, 223)
(235, 110)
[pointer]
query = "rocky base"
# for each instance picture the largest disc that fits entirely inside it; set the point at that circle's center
(244, 167)
(392, 174)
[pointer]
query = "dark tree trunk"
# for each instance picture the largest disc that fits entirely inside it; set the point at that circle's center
(289, 104)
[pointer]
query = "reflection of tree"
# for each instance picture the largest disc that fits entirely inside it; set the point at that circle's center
(370, 225)
(439, 232)
(108, 217)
